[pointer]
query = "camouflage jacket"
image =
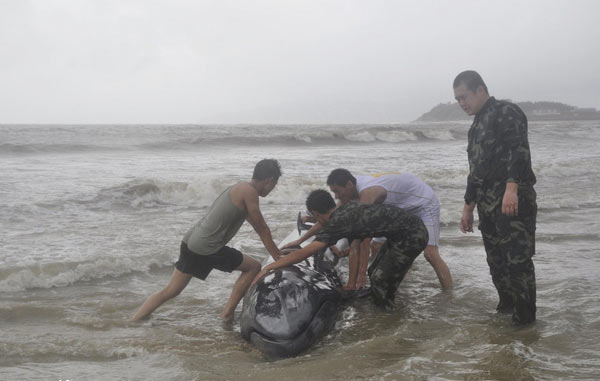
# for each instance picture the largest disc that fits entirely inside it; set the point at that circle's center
(358, 221)
(498, 152)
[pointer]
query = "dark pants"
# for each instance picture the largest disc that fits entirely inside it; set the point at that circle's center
(510, 245)
(392, 263)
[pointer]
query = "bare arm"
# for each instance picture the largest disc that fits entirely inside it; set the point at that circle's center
(373, 195)
(359, 258)
(357, 277)
(255, 218)
(292, 258)
(353, 262)
(309, 233)
(510, 201)
(363, 261)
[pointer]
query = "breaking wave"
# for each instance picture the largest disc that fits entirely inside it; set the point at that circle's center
(64, 273)
(70, 139)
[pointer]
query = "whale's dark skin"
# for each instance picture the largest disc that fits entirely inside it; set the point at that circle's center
(288, 310)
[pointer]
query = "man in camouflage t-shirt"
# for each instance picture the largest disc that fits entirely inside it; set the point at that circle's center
(500, 184)
(406, 238)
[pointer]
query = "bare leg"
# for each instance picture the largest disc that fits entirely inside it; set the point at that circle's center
(177, 283)
(249, 268)
(441, 269)
(363, 263)
(353, 262)
(375, 246)
(357, 263)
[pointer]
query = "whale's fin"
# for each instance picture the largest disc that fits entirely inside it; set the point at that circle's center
(301, 225)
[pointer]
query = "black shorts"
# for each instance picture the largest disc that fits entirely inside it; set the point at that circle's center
(226, 259)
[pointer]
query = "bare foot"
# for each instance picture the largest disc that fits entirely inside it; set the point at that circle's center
(227, 322)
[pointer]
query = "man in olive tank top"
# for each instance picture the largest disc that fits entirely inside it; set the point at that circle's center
(203, 247)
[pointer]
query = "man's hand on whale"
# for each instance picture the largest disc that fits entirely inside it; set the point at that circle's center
(291, 259)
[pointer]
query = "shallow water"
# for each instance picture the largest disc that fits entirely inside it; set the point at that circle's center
(92, 217)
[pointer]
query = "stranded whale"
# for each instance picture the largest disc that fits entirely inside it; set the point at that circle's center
(289, 309)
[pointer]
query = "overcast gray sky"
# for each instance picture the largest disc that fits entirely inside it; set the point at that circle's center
(281, 61)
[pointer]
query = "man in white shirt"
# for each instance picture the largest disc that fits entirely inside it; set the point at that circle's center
(405, 191)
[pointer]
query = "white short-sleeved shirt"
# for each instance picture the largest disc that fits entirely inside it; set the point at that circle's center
(410, 193)
(404, 190)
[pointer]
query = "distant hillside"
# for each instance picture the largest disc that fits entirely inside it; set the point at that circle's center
(533, 110)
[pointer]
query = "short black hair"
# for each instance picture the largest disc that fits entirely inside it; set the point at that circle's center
(340, 177)
(471, 79)
(320, 200)
(267, 168)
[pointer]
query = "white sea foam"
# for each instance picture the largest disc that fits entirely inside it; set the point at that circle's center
(437, 134)
(561, 168)
(304, 138)
(140, 193)
(88, 213)
(396, 136)
(61, 274)
(363, 136)
(147, 192)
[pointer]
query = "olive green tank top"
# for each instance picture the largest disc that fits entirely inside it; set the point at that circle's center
(218, 226)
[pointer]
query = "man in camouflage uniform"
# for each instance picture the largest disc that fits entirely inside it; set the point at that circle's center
(500, 184)
(406, 236)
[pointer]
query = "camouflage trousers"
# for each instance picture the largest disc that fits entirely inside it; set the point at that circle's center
(510, 245)
(392, 263)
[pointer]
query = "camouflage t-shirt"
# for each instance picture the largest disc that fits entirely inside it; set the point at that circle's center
(358, 221)
(498, 151)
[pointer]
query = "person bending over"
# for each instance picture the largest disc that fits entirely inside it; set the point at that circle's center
(203, 247)
(406, 238)
(403, 190)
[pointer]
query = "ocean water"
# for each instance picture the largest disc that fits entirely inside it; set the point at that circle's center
(91, 218)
